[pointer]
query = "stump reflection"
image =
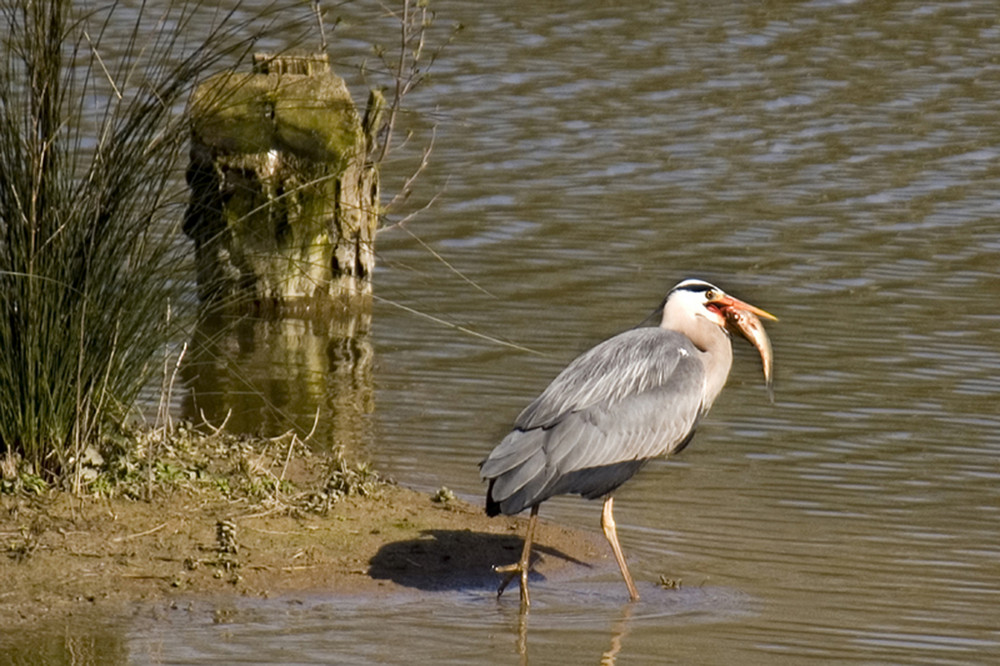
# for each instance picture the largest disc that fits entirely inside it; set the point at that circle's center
(268, 376)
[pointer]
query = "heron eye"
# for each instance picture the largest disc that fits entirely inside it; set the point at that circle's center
(710, 295)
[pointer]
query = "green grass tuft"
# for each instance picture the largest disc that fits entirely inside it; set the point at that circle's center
(93, 268)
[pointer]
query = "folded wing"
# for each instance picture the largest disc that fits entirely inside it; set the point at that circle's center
(629, 399)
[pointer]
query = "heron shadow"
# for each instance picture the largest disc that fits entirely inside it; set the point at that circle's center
(441, 560)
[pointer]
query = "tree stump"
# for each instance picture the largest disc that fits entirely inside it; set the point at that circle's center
(284, 202)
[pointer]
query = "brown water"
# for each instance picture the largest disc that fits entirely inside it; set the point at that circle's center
(836, 163)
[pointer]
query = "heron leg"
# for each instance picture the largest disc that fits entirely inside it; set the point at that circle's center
(521, 567)
(611, 534)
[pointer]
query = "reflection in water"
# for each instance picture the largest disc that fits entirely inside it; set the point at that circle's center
(619, 630)
(522, 634)
(79, 642)
(267, 376)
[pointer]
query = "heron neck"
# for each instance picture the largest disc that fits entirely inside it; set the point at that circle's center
(714, 345)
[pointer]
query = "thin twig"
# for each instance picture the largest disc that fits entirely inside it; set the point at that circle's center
(141, 534)
(405, 220)
(264, 514)
(404, 191)
(448, 265)
(288, 455)
(291, 444)
(404, 38)
(173, 378)
(100, 61)
(300, 567)
(215, 431)
(322, 28)
(315, 425)
(459, 327)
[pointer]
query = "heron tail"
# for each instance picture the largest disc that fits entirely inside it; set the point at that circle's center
(492, 506)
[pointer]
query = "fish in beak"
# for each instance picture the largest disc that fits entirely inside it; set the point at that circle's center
(744, 319)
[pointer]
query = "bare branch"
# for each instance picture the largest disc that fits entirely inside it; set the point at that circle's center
(403, 222)
(405, 190)
(322, 28)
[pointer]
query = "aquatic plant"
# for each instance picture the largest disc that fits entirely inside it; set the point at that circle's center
(92, 138)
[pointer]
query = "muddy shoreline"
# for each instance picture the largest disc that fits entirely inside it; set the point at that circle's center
(68, 556)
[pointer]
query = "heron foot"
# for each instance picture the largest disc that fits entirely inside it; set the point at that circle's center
(511, 572)
(522, 566)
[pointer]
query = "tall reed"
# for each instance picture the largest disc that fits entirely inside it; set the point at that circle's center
(92, 150)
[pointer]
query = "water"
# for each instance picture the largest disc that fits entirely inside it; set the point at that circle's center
(835, 163)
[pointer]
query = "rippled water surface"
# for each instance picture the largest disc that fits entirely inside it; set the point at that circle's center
(836, 163)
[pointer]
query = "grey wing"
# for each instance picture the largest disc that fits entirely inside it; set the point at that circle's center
(632, 398)
(625, 365)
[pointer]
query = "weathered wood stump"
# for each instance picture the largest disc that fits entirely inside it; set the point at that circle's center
(283, 211)
(284, 203)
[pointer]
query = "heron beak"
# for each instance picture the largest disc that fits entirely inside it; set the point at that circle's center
(727, 302)
(744, 319)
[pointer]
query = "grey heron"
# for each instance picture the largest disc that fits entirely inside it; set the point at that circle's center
(633, 397)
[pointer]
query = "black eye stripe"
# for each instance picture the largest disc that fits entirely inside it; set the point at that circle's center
(695, 286)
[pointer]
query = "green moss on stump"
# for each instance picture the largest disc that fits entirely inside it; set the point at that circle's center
(312, 117)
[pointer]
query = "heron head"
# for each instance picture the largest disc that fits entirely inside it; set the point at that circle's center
(700, 299)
